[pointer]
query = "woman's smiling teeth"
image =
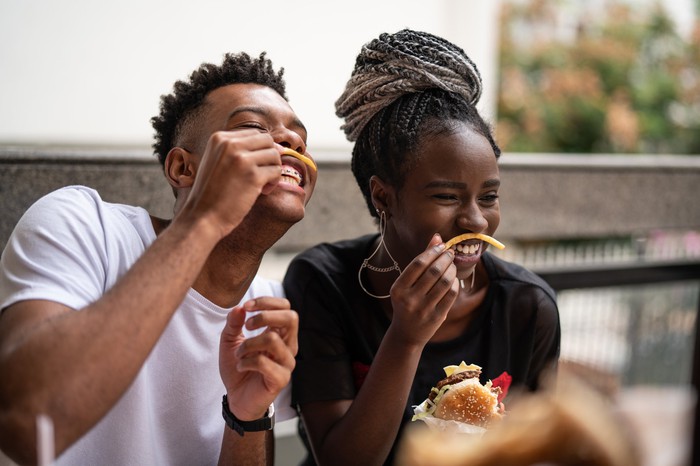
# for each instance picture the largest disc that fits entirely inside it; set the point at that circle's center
(464, 248)
(290, 175)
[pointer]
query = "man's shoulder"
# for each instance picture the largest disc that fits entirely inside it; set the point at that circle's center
(79, 198)
(82, 208)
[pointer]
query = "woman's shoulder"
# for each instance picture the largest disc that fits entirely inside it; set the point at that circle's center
(510, 272)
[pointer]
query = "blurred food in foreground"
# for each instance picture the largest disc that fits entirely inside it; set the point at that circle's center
(571, 423)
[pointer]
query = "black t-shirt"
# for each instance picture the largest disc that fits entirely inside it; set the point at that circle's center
(516, 328)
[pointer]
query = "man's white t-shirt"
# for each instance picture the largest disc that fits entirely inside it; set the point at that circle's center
(71, 247)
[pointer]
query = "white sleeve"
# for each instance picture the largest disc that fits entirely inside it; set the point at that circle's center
(56, 252)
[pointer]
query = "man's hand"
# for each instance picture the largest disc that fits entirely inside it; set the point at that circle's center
(236, 167)
(254, 370)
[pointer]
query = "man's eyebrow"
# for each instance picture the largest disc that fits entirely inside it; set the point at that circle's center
(262, 111)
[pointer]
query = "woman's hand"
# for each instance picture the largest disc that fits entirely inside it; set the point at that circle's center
(424, 293)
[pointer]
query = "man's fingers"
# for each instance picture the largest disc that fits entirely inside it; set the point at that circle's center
(266, 303)
(235, 320)
(284, 323)
(269, 344)
(276, 376)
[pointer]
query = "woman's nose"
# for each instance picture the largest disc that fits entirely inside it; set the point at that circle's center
(472, 219)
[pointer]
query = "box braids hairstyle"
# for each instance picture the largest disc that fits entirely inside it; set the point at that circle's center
(406, 86)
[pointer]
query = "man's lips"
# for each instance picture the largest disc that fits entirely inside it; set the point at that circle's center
(293, 171)
(291, 176)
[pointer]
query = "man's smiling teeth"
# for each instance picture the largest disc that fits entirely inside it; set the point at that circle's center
(291, 176)
(467, 248)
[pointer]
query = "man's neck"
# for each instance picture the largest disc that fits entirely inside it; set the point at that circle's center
(227, 273)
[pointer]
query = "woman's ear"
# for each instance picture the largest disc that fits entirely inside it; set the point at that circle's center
(382, 195)
(180, 168)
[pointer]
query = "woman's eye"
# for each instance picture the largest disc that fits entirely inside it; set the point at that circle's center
(445, 197)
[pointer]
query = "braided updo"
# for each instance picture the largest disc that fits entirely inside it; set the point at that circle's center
(401, 81)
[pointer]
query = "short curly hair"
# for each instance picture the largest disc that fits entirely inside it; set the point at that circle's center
(179, 109)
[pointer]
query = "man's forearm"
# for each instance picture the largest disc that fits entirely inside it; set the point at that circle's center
(253, 448)
(75, 365)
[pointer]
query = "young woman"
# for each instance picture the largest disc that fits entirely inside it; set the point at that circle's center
(381, 315)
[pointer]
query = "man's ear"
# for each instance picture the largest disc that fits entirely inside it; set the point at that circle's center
(382, 195)
(180, 168)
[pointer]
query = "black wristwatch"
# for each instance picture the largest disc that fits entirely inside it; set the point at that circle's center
(267, 422)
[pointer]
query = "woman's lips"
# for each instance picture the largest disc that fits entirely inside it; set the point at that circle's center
(467, 253)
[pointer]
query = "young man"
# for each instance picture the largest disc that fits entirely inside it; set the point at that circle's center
(125, 329)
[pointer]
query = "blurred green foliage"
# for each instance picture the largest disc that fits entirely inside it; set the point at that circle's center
(618, 79)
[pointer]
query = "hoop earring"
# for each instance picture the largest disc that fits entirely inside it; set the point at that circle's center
(367, 265)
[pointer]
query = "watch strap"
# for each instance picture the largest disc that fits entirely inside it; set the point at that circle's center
(267, 422)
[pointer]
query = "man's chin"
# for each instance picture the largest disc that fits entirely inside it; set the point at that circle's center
(280, 208)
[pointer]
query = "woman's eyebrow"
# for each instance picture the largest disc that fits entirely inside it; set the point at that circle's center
(492, 183)
(447, 184)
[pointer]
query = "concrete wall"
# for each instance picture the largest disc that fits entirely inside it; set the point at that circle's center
(542, 196)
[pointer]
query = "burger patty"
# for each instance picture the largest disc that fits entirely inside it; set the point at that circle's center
(453, 379)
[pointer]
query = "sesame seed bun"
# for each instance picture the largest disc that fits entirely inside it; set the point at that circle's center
(470, 402)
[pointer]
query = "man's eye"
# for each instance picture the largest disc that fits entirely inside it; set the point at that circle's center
(491, 198)
(445, 197)
(253, 125)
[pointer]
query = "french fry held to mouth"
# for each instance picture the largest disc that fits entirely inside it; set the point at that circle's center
(482, 237)
(303, 158)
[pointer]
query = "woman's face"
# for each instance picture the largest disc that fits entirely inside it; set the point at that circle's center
(453, 189)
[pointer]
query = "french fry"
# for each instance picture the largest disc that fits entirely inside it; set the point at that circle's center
(482, 237)
(303, 158)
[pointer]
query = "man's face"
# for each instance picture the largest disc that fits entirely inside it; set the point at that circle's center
(253, 106)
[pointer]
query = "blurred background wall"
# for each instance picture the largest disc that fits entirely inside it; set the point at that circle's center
(86, 72)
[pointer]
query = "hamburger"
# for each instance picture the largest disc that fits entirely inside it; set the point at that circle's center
(461, 397)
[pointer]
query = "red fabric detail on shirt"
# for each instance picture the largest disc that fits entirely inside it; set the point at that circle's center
(359, 372)
(502, 381)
